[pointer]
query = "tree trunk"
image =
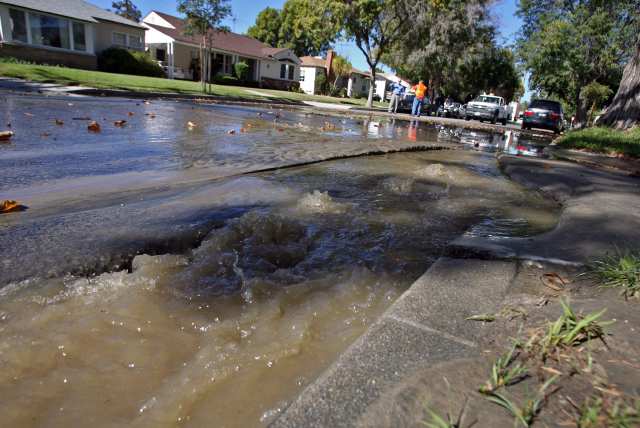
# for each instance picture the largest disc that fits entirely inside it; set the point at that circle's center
(372, 87)
(624, 111)
(581, 112)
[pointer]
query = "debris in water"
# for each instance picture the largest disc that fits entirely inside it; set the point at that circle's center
(131, 113)
(120, 123)
(9, 206)
(29, 114)
(45, 134)
(231, 131)
(243, 130)
(59, 122)
(93, 126)
(191, 124)
(6, 135)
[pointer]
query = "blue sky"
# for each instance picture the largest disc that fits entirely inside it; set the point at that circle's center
(245, 12)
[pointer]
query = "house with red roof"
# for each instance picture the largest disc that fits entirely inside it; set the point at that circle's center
(178, 53)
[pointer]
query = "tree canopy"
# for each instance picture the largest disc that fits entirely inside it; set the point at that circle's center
(127, 9)
(571, 44)
(305, 26)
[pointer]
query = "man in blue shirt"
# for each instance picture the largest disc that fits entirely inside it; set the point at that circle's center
(397, 91)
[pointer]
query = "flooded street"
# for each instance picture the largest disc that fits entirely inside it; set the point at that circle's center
(287, 269)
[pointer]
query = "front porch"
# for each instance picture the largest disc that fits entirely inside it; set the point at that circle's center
(181, 61)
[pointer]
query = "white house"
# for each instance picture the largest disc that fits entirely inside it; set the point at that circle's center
(309, 69)
(63, 32)
(177, 53)
(356, 84)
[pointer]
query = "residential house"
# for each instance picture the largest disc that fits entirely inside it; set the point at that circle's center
(177, 52)
(63, 32)
(310, 68)
(356, 84)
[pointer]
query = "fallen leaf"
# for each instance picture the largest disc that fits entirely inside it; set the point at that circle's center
(8, 206)
(6, 135)
(191, 124)
(552, 371)
(553, 281)
(243, 130)
(59, 122)
(93, 126)
(131, 113)
(147, 103)
(120, 123)
(231, 131)
(28, 114)
(45, 134)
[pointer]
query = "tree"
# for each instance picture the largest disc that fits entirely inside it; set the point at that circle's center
(241, 70)
(127, 9)
(340, 67)
(267, 27)
(624, 111)
(446, 38)
(374, 25)
(307, 27)
(568, 45)
(203, 18)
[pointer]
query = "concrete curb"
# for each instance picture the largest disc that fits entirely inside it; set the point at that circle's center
(405, 339)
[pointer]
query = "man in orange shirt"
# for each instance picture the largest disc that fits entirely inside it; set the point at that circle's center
(421, 91)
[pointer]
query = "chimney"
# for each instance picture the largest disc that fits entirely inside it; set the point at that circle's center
(329, 61)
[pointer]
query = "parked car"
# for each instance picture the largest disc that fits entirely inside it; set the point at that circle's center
(487, 107)
(544, 114)
(449, 110)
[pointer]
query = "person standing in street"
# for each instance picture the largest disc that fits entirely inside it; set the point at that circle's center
(397, 91)
(421, 91)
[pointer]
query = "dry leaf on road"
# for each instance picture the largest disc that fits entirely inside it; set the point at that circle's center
(6, 135)
(93, 126)
(8, 206)
(120, 123)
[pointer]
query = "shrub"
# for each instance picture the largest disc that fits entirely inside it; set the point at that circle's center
(118, 60)
(224, 79)
(322, 86)
(241, 70)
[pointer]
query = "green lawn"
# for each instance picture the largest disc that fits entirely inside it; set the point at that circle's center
(97, 79)
(603, 140)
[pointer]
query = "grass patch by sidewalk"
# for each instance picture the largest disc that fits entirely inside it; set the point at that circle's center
(620, 271)
(101, 80)
(603, 140)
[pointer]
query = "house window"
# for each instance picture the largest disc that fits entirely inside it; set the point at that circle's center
(49, 31)
(292, 70)
(301, 75)
(135, 42)
(120, 39)
(228, 64)
(364, 88)
(18, 25)
(79, 40)
(161, 55)
(283, 71)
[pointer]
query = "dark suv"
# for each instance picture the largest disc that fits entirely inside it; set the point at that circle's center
(544, 114)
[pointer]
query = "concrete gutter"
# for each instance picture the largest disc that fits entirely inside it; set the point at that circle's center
(405, 339)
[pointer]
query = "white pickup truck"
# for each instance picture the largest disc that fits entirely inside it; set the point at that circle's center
(488, 107)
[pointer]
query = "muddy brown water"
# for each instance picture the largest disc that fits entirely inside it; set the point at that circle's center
(229, 333)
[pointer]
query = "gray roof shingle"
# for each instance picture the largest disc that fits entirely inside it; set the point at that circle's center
(76, 9)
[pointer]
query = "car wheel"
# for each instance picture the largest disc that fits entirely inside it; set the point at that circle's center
(504, 122)
(494, 120)
(467, 118)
